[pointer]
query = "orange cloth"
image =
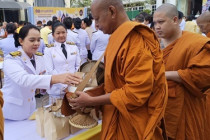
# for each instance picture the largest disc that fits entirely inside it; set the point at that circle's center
(134, 75)
(185, 111)
(208, 35)
(207, 108)
(1, 118)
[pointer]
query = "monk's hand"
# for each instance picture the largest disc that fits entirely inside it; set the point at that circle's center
(83, 100)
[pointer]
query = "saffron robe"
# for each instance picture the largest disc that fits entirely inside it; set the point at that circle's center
(135, 77)
(185, 111)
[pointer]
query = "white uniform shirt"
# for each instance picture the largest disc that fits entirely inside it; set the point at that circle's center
(98, 44)
(20, 82)
(8, 45)
(182, 24)
(84, 41)
(56, 63)
(50, 39)
(73, 37)
(41, 47)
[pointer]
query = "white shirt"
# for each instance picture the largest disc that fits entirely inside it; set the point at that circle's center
(182, 24)
(20, 82)
(98, 44)
(84, 41)
(7, 45)
(56, 63)
(73, 37)
(41, 47)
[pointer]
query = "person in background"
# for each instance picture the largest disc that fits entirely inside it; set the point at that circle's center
(203, 22)
(98, 44)
(71, 35)
(39, 24)
(61, 57)
(7, 44)
(3, 33)
(139, 18)
(24, 71)
(93, 26)
(45, 31)
(1, 117)
(86, 23)
(84, 40)
(181, 20)
(190, 25)
(20, 25)
(148, 20)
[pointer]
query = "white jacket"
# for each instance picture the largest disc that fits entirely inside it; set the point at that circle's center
(20, 82)
(56, 63)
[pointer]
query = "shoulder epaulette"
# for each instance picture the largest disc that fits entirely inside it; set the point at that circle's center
(50, 45)
(74, 32)
(94, 32)
(50, 33)
(16, 53)
(70, 43)
(39, 53)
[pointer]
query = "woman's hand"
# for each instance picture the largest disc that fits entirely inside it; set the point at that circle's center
(83, 100)
(66, 78)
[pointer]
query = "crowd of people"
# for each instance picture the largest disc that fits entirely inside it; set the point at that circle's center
(157, 67)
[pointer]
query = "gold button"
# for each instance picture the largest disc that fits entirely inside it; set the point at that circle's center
(32, 90)
(66, 62)
(29, 99)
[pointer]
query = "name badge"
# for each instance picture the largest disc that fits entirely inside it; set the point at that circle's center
(74, 53)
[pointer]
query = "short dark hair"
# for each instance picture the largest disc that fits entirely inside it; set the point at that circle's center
(39, 22)
(148, 18)
(56, 25)
(23, 33)
(77, 23)
(67, 21)
(21, 22)
(49, 23)
(139, 18)
(87, 21)
(10, 28)
(54, 18)
(180, 15)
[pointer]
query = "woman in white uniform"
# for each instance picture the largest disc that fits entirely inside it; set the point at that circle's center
(61, 57)
(23, 69)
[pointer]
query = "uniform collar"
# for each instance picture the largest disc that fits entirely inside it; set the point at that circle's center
(57, 44)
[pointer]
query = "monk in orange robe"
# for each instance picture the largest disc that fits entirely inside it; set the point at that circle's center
(135, 86)
(1, 117)
(203, 22)
(187, 61)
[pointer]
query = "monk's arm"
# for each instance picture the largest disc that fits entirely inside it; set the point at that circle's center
(173, 76)
(196, 78)
(100, 100)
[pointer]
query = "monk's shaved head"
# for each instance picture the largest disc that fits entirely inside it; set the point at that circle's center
(169, 9)
(203, 22)
(108, 14)
(104, 4)
(205, 17)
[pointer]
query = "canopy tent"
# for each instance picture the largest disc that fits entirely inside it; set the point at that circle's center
(13, 5)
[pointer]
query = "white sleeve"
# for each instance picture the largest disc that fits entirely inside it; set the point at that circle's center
(87, 39)
(78, 60)
(14, 69)
(93, 42)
